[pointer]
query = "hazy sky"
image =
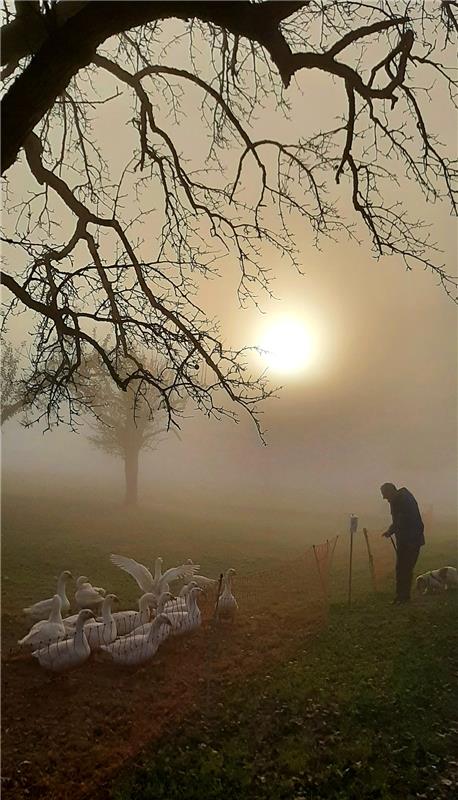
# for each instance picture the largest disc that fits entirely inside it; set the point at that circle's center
(380, 402)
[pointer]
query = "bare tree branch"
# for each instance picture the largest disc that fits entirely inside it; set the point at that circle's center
(121, 282)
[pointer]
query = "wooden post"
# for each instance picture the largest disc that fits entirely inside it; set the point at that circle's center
(353, 529)
(371, 560)
(215, 613)
(350, 568)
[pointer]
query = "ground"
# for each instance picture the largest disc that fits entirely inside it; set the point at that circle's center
(362, 708)
(367, 709)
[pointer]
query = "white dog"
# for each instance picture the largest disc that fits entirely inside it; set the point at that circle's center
(438, 580)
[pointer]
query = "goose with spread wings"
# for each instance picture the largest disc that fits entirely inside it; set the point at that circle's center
(160, 582)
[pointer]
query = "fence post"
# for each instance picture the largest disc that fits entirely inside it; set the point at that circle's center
(215, 612)
(353, 529)
(371, 560)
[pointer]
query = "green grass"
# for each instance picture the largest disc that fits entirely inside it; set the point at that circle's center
(366, 710)
(363, 710)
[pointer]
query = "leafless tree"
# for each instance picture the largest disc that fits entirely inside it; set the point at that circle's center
(13, 392)
(125, 423)
(132, 275)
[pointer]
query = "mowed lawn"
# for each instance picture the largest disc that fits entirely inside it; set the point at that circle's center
(367, 709)
(364, 709)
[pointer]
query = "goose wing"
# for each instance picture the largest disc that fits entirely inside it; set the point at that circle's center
(40, 609)
(88, 594)
(204, 582)
(183, 571)
(138, 571)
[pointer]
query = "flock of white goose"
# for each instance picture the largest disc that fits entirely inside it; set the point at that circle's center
(61, 642)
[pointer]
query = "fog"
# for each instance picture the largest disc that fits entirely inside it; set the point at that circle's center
(380, 403)
(382, 406)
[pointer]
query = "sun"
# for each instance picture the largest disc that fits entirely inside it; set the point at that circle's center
(287, 345)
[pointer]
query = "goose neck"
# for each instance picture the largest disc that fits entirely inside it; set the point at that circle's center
(106, 611)
(79, 631)
(143, 615)
(144, 602)
(153, 631)
(191, 601)
(55, 615)
(163, 599)
(62, 588)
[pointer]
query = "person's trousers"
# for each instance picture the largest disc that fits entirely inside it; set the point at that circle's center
(407, 555)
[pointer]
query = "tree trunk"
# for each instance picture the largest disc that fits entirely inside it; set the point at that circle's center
(131, 472)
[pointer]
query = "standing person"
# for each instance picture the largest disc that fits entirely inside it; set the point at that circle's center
(407, 527)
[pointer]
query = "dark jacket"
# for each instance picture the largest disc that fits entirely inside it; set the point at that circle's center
(407, 522)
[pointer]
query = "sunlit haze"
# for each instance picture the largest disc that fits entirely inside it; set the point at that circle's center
(229, 400)
(288, 346)
(366, 352)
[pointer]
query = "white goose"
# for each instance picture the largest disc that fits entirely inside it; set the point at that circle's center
(227, 604)
(104, 632)
(201, 580)
(83, 581)
(134, 650)
(127, 621)
(42, 609)
(48, 630)
(180, 600)
(70, 652)
(160, 582)
(87, 595)
(188, 619)
(166, 601)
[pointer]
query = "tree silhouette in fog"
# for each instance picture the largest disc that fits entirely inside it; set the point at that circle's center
(12, 390)
(109, 256)
(126, 423)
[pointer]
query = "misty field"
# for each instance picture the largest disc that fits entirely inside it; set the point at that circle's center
(199, 699)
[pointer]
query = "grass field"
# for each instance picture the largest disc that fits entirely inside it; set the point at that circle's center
(368, 710)
(335, 712)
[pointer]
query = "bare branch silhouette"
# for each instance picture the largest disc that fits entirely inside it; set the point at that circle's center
(114, 281)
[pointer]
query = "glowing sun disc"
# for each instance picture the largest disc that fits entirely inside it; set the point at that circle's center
(287, 346)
